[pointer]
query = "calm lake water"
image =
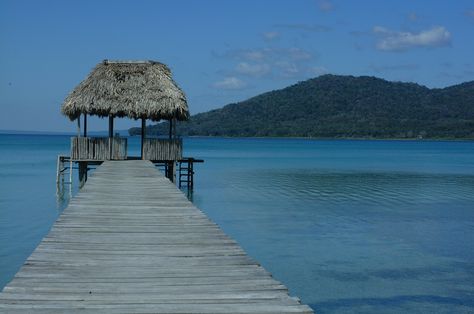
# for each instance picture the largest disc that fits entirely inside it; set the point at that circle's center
(348, 226)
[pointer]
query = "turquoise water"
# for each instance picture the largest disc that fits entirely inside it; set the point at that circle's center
(348, 226)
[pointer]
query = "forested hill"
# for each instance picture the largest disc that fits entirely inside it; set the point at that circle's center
(333, 106)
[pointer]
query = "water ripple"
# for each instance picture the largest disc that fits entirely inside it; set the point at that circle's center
(386, 189)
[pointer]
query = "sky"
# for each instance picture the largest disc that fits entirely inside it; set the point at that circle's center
(222, 52)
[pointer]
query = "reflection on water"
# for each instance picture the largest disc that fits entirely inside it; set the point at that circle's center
(338, 188)
(63, 194)
(189, 192)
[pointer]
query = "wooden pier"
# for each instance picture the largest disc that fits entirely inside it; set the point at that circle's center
(130, 241)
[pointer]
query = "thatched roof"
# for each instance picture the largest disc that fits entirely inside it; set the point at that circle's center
(134, 89)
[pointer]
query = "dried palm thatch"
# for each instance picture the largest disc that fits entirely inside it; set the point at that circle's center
(134, 89)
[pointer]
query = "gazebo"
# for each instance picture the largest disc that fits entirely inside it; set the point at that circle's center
(134, 89)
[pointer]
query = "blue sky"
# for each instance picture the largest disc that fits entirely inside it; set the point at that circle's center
(223, 51)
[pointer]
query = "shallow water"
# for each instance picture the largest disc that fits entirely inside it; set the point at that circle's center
(348, 226)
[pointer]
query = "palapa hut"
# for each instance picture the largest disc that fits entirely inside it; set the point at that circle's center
(134, 89)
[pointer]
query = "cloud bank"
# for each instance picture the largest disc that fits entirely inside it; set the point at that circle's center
(253, 69)
(230, 83)
(388, 40)
(272, 62)
(269, 36)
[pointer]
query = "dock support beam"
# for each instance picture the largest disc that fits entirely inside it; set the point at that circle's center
(85, 124)
(142, 155)
(171, 129)
(70, 170)
(59, 167)
(82, 173)
(111, 135)
(79, 126)
(171, 171)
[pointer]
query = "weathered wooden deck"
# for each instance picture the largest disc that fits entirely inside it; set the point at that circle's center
(130, 241)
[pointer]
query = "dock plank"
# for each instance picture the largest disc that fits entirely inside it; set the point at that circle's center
(130, 241)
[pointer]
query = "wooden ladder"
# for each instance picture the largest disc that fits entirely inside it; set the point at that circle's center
(186, 172)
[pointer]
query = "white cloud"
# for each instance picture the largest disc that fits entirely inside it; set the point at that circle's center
(268, 63)
(380, 30)
(269, 54)
(255, 69)
(325, 5)
(288, 69)
(230, 83)
(398, 41)
(269, 36)
(254, 55)
(298, 54)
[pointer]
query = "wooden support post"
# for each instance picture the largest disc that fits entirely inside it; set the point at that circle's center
(190, 173)
(79, 126)
(85, 124)
(143, 138)
(172, 171)
(179, 173)
(175, 122)
(111, 126)
(58, 169)
(82, 173)
(171, 129)
(70, 171)
(111, 135)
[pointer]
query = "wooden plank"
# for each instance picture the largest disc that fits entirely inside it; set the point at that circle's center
(131, 242)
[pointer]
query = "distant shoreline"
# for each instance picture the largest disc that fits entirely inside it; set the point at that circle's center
(16, 132)
(330, 138)
(91, 133)
(102, 133)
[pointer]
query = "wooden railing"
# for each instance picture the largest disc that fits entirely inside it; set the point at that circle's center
(98, 148)
(162, 149)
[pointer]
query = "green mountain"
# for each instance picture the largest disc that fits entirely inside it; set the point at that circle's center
(334, 106)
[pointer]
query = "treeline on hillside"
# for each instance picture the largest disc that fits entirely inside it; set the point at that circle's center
(332, 106)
